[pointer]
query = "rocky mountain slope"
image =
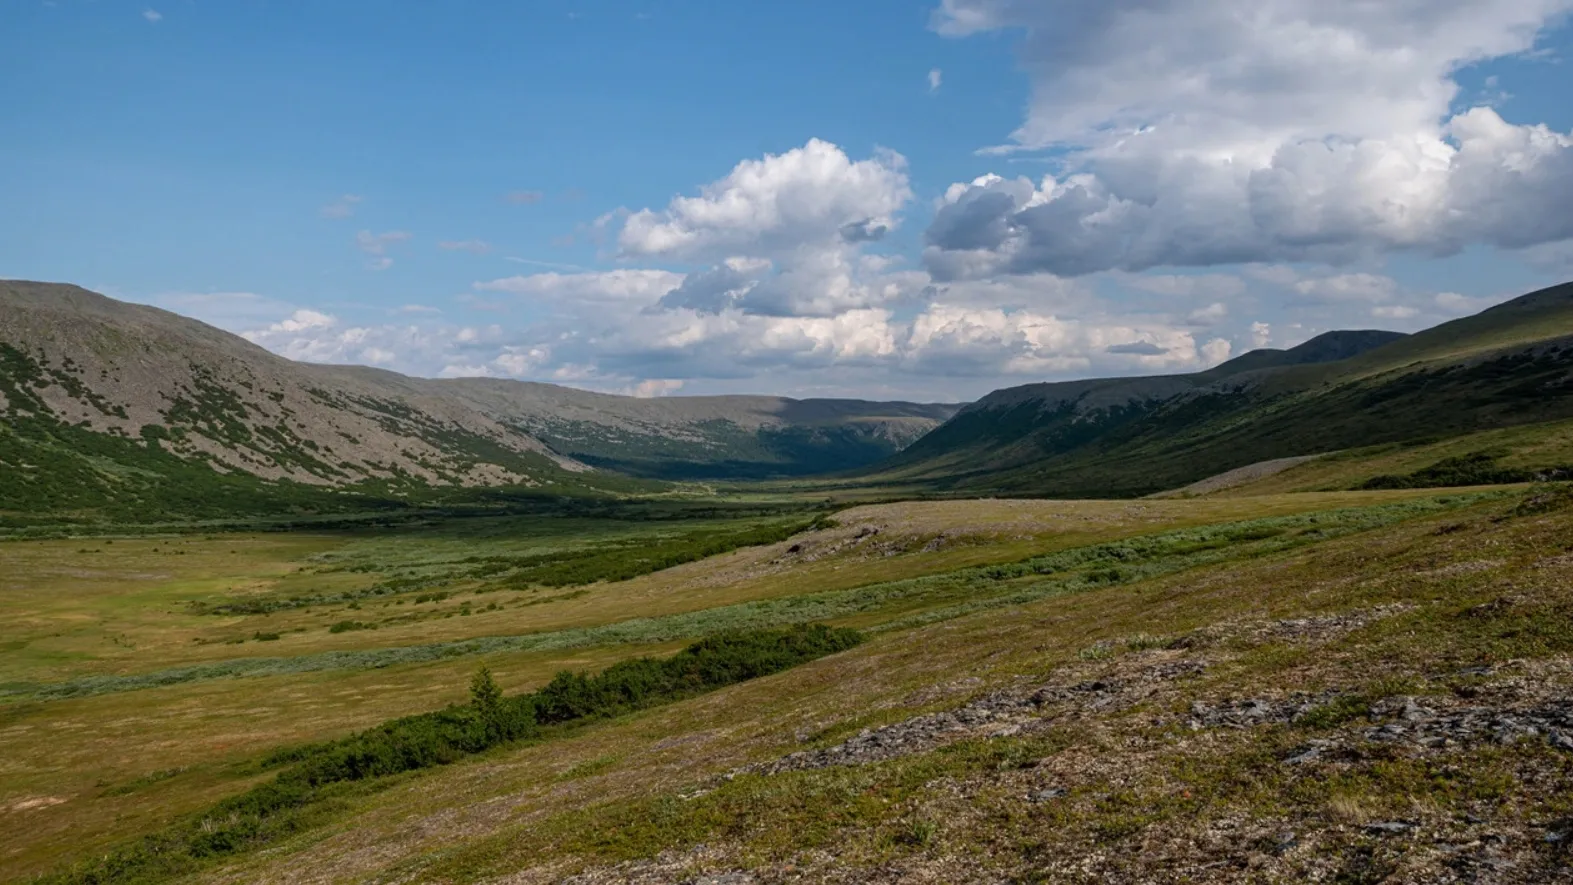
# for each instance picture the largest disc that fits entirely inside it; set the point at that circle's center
(115, 404)
(1512, 364)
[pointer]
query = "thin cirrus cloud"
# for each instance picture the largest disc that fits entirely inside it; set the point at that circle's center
(377, 245)
(524, 198)
(152, 15)
(343, 207)
(474, 247)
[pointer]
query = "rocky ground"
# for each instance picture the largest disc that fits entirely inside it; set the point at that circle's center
(1154, 700)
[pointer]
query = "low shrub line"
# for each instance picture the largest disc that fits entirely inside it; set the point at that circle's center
(315, 776)
(1474, 469)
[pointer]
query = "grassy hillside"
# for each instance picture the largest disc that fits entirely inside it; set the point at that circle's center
(121, 411)
(1510, 365)
(1299, 687)
(1521, 452)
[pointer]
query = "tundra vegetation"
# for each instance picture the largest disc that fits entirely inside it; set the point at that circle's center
(1115, 683)
(1303, 617)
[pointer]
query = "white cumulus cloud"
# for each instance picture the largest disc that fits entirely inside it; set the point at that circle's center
(812, 194)
(1204, 132)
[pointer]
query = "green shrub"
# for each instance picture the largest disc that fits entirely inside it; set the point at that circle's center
(346, 626)
(1474, 469)
(287, 804)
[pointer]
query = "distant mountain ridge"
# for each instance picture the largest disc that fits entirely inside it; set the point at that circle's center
(703, 437)
(107, 403)
(1512, 364)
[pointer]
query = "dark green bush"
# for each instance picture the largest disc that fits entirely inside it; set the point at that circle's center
(570, 568)
(346, 626)
(1475, 469)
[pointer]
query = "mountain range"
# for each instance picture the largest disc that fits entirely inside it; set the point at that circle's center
(118, 407)
(1509, 365)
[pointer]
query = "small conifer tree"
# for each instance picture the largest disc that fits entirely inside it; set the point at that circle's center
(486, 695)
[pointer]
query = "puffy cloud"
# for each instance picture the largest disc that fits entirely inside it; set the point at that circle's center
(1346, 300)
(1261, 335)
(653, 387)
(1209, 315)
(951, 339)
(1394, 312)
(302, 320)
(827, 282)
(1203, 132)
(814, 194)
(313, 336)
(1364, 287)
(717, 288)
(1209, 77)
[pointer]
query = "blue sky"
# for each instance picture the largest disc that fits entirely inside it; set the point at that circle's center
(663, 196)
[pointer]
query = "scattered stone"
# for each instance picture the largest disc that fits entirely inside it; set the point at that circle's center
(1000, 714)
(1390, 828)
(1308, 753)
(1252, 712)
(1447, 728)
(1327, 626)
(1048, 795)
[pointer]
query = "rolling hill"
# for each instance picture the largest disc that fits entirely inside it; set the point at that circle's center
(112, 407)
(1510, 365)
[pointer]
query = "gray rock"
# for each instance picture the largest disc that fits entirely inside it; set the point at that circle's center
(1048, 795)
(1390, 828)
(1301, 757)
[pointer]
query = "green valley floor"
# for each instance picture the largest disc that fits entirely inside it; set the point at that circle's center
(1370, 686)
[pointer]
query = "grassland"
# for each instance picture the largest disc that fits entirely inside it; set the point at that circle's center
(1542, 448)
(960, 599)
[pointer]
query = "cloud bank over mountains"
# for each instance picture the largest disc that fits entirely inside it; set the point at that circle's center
(1223, 175)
